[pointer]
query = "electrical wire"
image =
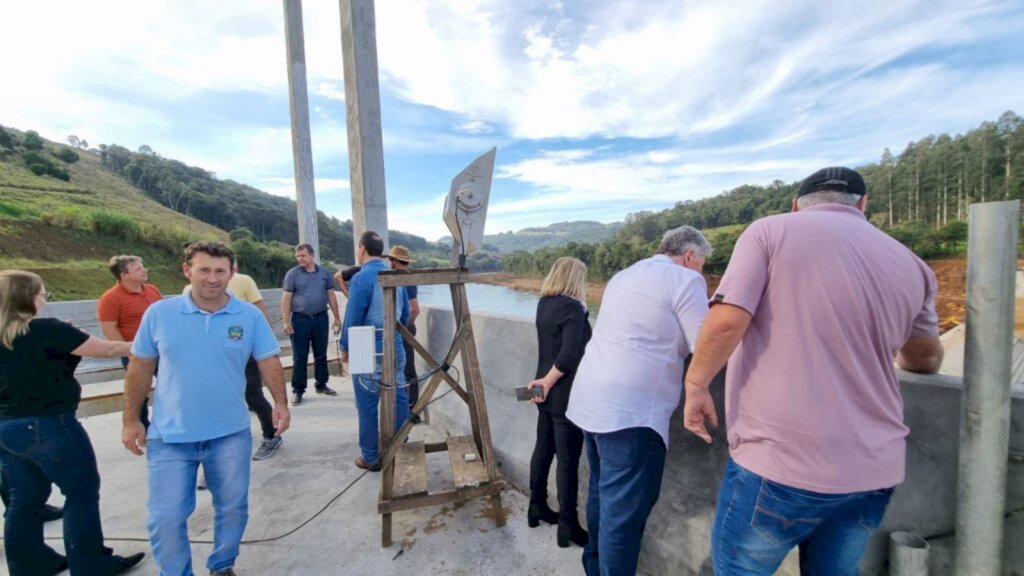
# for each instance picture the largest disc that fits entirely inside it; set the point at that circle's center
(376, 464)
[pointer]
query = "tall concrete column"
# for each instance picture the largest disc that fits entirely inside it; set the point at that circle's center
(362, 102)
(305, 192)
(985, 410)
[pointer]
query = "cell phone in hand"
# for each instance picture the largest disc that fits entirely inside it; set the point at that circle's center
(523, 393)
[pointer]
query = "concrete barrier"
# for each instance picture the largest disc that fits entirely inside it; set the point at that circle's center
(677, 539)
(82, 313)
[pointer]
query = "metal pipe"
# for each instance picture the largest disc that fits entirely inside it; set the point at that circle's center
(302, 151)
(985, 408)
(908, 554)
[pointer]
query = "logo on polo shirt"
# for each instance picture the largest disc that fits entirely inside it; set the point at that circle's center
(235, 332)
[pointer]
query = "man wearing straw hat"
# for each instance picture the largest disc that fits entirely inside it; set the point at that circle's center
(400, 260)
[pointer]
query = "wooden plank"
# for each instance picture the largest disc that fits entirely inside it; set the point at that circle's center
(392, 278)
(436, 499)
(410, 471)
(465, 472)
(387, 410)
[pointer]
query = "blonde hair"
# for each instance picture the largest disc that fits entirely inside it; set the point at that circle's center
(18, 291)
(568, 277)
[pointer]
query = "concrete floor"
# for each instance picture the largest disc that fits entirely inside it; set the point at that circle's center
(311, 468)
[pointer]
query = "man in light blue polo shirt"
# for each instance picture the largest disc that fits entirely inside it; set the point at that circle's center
(202, 342)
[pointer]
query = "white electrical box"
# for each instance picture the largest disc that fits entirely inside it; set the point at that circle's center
(362, 349)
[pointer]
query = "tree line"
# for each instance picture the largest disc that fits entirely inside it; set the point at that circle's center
(919, 196)
(225, 204)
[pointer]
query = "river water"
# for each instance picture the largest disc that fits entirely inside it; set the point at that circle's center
(484, 298)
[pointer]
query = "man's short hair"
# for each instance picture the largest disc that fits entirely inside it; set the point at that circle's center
(305, 246)
(119, 264)
(373, 243)
(212, 249)
(827, 197)
(677, 241)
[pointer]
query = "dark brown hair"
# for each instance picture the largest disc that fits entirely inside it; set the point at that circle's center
(212, 249)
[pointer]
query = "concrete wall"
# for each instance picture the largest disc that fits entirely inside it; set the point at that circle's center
(677, 539)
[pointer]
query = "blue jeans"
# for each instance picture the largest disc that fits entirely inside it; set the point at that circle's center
(172, 498)
(625, 481)
(309, 329)
(759, 521)
(367, 403)
(34, 452)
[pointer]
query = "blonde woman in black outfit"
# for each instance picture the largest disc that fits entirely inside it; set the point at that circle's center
(40, 439)
(563, 330)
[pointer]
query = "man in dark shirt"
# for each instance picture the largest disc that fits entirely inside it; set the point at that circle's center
(308, 291)
(400, 260)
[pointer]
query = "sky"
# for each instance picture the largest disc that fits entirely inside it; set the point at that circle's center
(598, 108)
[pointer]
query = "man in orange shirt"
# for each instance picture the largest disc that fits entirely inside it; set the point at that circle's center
(120, 308)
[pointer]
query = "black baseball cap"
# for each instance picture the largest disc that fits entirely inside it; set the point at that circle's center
(835, 179)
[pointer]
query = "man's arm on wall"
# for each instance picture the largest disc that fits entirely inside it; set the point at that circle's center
(921, 354)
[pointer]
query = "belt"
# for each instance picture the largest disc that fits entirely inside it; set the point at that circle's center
(311, 315)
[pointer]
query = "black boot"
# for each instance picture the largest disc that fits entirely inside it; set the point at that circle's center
(571, 531)
(538, 512)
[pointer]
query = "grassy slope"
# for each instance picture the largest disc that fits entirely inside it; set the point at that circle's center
(73, 262)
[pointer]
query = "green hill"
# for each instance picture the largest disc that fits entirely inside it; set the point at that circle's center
(552, 235)
(66, 230)
(64, 210)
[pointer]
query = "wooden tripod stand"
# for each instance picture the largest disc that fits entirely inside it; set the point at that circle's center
(403, 481)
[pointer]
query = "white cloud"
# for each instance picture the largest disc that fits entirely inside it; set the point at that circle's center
(474, 127)
(331, 90)
(648, 70)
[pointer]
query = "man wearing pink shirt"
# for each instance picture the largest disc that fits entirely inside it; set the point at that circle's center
(810, 313)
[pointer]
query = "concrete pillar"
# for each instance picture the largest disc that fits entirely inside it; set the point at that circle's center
(362, 103)
(985, 408)
(305, 192)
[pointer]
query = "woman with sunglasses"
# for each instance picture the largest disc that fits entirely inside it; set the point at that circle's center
(40, 439)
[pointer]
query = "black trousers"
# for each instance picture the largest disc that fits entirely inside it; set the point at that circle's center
(255, 399)
(556, 435)
(410, 368)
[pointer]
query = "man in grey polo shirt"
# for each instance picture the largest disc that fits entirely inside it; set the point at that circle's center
(308, 291)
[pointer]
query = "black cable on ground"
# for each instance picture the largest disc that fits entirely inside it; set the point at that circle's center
(301, 525)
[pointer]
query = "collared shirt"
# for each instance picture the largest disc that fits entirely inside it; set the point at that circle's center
(812, 398)
(121, 305)
(309, 289)
(631, 374)
(200, 386)
(366, 304)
